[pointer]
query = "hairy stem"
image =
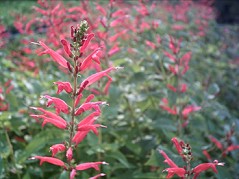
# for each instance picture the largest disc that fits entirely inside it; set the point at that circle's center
(72, 124)
(188, 167)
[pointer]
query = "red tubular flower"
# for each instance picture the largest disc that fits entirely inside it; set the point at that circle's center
(101, 35)
(205, 166)
(97, 176)
(167, 159)
(29, 25)
(174, 45)
(116, 36)
(86, 42)
(185, 58)
(60, 105)
(51, 118)
(119, 13)
(183, 88)
(189, 109)
(8, 86)
(66, 46)
(43, 12)
(186, 68)
(113, 50)
(72, 174)
(89, 98)
(175, 171)
(9, 89)
(144, 26)
(89, 127)
(61, 125)
(78, 100)
(165, 107)
(117, 22)
(63, 86)
(57, 148)
(205, 152)
(97, 76)
(101, 9)
(55, 56)
(150, 44)
(88, 106)
(158, 38)
(48, 113)
(178, 27)
(69, 154)
(54, 121)
(106, 89)
(171, 57)
(178, 145)
(85, 166)
(4, 107)
(143, 10)
(51, 160)
(230, 148)
(19, 26)
(172, 88)
(89, 119)
(174, 69)
(88, 60)
(184, 61)
(86, 125)
(56, 9)
(79, 136)
(216, 142)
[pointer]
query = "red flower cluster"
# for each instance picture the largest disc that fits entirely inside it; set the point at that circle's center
(184, 151)
(178, 67)
(225, 145)
(3, 35)
(78, 130)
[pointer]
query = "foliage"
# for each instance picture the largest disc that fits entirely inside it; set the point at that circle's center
(140, 123)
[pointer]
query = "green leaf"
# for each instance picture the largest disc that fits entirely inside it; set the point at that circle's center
(140, 175)
(154, 159)
(121, 158)
(38, 142)
(12, 99)
(26, 176)
(64, 175)
(4, 148)
(213, 90)
(119, 62)
(134, 148)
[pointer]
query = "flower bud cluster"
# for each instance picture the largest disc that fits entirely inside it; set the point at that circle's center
(186, 172)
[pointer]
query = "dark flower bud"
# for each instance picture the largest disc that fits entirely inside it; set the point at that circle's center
(69, 67)
(72, 31)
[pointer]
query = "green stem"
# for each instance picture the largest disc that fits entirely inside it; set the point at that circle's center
(178, 97)
(11, 151)
(188, 168)
(99, 157)
(72, 124)
(134, 123)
